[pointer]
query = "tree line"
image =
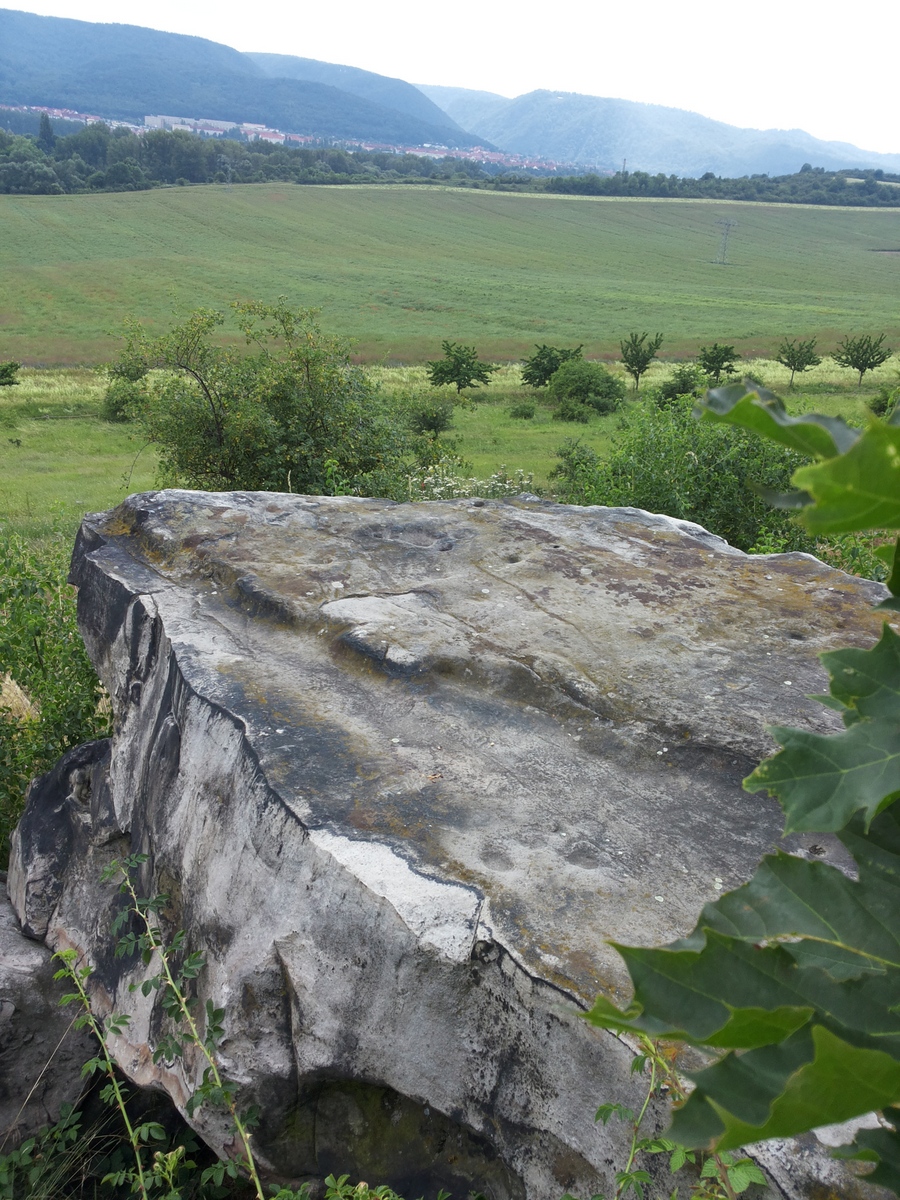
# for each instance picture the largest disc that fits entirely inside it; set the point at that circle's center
(97, 158)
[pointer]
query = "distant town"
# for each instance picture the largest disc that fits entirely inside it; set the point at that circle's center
(206, 127)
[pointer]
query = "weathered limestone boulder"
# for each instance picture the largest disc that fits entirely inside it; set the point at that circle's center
(41, 1054)
(403, 771)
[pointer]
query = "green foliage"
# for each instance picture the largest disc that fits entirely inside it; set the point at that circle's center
(795, 975)
(638, 353)
(522, 412)
(459, 366)
(539, 369)
(797, 356)
(686, 380)
(885, 399)
(291, 414)
(122, 399)
(585, 383)
(429, 416)
(717, 360)
(572, 409)
(714, 1176)
(863, 353)
(49, 694)
(8, 372)
(666, 462)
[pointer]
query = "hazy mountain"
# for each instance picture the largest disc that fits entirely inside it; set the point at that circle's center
(126, 71)
(568, 127)
(381, 89)
(465, 106)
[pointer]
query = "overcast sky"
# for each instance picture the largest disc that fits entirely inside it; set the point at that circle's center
(771, 64)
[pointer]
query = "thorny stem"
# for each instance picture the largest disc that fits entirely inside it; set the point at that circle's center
(723, 1177)
(100, 1034)
(653, 1058)
(159, 947)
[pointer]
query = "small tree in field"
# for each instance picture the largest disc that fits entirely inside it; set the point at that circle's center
(459, 366)
(797, 356)
(638, 353)
(863, 353)
(717, 360)
(538, 370)
(8, 372)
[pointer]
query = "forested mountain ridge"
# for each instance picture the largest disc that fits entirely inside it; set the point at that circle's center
(126, 72)
(381, 89)
(603, 132)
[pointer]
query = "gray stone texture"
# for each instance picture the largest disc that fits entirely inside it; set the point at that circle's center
(404, 771)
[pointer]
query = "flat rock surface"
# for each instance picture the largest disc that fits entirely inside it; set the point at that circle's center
(402, 773)
(552, 705)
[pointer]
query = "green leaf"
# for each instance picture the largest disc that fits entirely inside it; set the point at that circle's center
(821, 781)
(881, 1146)
(858, 490)
(867, 682)
(762, 412)
(744, 1173)
(773, 1092)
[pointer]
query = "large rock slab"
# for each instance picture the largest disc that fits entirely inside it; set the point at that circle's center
(403, 771)
(41, 1052)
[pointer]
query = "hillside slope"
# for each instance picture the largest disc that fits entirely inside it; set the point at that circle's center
(380, 89)
(127, 71)
(602, 132)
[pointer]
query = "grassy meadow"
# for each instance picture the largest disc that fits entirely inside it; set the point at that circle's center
(60, 459)
(398, 269)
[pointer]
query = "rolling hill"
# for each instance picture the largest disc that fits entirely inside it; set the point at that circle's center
(126, 71)
(401, 269)
(602, 132)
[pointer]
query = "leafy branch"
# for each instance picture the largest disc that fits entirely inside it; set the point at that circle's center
(795, 975)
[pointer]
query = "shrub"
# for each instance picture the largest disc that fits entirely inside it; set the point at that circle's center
(666, 462)
(587, 383)
(539, 369)
(570, 409)
(8, 372)
(292, 415)
(885, 399)
(522, 412)
(122, 399)
(432, 417)
(459, 366)
(686, 380)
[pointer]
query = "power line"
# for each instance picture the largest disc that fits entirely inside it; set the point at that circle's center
(727, 225)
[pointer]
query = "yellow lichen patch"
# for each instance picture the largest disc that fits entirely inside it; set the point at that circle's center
(16, 701)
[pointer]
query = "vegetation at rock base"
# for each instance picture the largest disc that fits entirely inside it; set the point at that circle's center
(793, 977)
(50, 699)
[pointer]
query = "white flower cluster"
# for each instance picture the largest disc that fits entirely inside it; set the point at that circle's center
(443, 482)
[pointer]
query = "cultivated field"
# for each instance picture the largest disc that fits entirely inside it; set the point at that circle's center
(399, 269)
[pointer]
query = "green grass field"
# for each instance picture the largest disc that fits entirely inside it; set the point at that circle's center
(400, 269)
(60, 459)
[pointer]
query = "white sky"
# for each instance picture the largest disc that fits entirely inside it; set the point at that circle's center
(827, 68)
